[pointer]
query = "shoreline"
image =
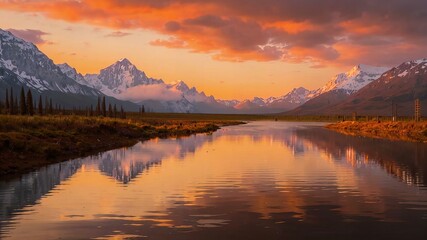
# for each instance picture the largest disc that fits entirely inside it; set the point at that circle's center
(28, 143)
(395, 131)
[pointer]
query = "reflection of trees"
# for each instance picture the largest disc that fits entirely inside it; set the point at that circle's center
(29, 188)
(404, 160)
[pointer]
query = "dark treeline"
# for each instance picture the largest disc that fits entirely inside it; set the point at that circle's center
(26, 104)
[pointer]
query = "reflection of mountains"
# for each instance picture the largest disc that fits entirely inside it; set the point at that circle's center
(29, 188)
(404, 160)
(126, 164)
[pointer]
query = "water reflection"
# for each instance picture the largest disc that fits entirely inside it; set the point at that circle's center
(404, 160)
(262, 180)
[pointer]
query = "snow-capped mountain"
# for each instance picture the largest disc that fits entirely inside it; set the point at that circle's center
(192, 94)
(296, 97)
(293, 99)
(22, 64)
(353, 80)
(119, 77)
(338, 89)
(399, 86)
(228, 103)
(34, 69)
(125, 81)
(72, 73)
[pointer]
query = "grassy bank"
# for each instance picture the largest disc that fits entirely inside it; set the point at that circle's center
(406, 131)
(27, 143)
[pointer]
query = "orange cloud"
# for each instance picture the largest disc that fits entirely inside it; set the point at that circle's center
(241, 30)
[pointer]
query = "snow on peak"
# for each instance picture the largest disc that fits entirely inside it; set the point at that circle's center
(419, 61)
(353, 80)
(8, 38)
(182, 86)
(118, 77)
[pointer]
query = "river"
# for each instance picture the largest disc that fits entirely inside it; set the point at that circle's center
(262, 180)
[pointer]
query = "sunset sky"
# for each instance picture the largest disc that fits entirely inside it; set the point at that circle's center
(232, 49)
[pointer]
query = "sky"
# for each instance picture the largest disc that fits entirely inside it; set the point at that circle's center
(232, 49)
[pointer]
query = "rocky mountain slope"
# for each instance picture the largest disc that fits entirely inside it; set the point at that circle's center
(338, 89)
(400, 86)
(22, 64)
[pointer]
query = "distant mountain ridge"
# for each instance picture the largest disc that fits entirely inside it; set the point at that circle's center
(123, 77)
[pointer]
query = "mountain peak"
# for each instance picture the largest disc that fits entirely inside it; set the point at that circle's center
(353, 80)
(124, 61)
(8, 38)
(182, 86)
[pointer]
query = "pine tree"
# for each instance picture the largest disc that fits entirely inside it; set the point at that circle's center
(91, 110)
(7, 106)
(40, 106)
(22, 104)
(110, 111)
(143, 109)
(50, 106)
(104, 108)
(46, 105)
(12, 107)
(98, 107)
(122, 113)
(115, 111)
(30, 106)
(15, 106)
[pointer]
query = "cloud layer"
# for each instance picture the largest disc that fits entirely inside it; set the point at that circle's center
(30, 35)
(151, 92)
(321, 32)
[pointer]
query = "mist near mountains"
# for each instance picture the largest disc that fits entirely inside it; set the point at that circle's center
(159, 92)
(365, 89)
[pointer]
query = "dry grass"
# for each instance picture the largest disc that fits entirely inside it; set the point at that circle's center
(407, 131)
(29, 142)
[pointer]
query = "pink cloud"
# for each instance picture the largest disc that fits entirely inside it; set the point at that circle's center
(31, 35)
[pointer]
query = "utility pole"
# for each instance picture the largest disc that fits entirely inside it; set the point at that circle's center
(417, 110)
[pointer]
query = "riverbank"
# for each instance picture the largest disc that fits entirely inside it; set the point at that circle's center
(27, 143)
(404, 131)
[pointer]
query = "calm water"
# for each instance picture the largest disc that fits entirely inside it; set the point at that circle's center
(263, 180)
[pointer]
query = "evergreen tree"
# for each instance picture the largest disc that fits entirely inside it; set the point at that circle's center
(22, 104)
(30, 106)
(91, 110)
(143, 109)
(50, 106)
(98, 107)
(110, 111)
(115, 111)
(15, 106)
(40, 108)
(122, 112)
(104, 107)
(7, 106)
(46, 105)
(12, 107)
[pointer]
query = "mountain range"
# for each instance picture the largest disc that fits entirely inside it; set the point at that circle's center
(22, 64)
(363, 89)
